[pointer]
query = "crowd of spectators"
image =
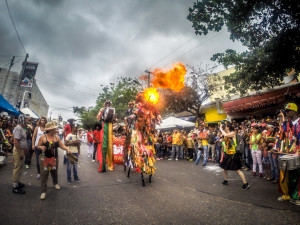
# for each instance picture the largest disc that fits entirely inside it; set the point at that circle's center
(255, 139)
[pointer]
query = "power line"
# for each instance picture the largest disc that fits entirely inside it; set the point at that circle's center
(197, 46)
(15, 26)
(66, 89)
(172, 52)
(60, 77)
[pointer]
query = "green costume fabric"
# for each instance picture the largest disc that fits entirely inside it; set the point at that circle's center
(104, 146)
(293, 183)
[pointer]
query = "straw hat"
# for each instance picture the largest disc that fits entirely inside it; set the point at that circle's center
(50, 126)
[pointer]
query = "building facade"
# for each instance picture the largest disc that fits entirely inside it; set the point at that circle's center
(14, 94)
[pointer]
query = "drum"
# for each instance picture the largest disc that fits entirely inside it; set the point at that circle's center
(289, 162)
(109, 115)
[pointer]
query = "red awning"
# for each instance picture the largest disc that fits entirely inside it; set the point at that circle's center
(272, 97)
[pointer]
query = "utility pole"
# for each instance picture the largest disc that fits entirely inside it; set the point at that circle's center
(6, 78)
(147, 71)
(19, 80)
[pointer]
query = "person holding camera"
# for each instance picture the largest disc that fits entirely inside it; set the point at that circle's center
(231, 160)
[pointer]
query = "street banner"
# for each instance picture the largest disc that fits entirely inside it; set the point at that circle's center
(28, 74)
(118, 146)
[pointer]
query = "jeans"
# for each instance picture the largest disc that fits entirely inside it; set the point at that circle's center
(95, 150)
(205, 149)
(37, 155)
(159, 150)
(274, 165)
(181, 155)
(69, 169)
(247, 156)
(175, 151)
(256, 156)
(29, 152)
(219, 153)
(213, 151)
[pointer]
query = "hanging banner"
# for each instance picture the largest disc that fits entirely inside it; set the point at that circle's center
(28, 74)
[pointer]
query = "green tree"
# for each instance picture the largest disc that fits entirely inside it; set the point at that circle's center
(270, 29)
(119, 94)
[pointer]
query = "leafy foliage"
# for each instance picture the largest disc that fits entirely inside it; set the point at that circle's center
(119, 94)
(270, 29)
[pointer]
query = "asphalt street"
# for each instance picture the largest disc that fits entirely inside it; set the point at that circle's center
(180, 193)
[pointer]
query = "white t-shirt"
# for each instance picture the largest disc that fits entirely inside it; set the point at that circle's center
(72, 137)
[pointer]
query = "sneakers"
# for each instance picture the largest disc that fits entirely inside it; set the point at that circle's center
(260, 175)
(176, 159)
(245, 187)
(253, 174)
(275, 181)
(191, 160)
(93, 160)
(43, 195)
(57, 187)
(246, 168)
(77, 180)
(204, 164)
(157, 159)
(296, 202)
(18, 190)
(26, 166)
(170, 159)
(21, 185)
(38, 176)
(225, 182)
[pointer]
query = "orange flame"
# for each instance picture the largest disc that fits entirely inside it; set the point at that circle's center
(172, 78)
(151, 95)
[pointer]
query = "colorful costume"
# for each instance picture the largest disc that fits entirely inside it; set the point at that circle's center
(107, 140)
(288, 142)
(141, 153)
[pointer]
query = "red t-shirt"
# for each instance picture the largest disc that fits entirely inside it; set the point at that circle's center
(89, 137)
(68, 130)
(97, 135)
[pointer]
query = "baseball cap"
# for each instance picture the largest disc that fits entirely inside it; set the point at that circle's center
(291, 106)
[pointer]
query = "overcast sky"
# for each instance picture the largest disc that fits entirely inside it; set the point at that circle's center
(81, 45)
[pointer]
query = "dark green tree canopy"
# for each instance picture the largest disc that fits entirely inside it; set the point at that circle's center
(270, 29)
(120, 94)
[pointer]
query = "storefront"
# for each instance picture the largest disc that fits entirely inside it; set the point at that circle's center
(264, 103)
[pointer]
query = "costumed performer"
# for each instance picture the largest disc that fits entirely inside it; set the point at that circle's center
(289, 142)
(129, 121)
(142, 140)
(107, 116)
(231, 160)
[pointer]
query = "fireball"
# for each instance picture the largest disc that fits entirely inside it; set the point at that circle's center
(151, 95)
(172, 78)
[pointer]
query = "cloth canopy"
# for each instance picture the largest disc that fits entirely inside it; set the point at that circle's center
(5, 106)
(30, 113)
(173, 122)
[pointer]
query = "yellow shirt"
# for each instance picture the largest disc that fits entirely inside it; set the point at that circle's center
(176, 139)
(204, 134)
(190, 143)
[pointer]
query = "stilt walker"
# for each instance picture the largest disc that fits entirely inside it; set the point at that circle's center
(106, 116)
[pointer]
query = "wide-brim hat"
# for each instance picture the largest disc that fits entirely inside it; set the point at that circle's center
(72, 158)
(50, 126)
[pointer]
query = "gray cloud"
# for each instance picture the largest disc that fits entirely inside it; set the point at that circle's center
(82, 44)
